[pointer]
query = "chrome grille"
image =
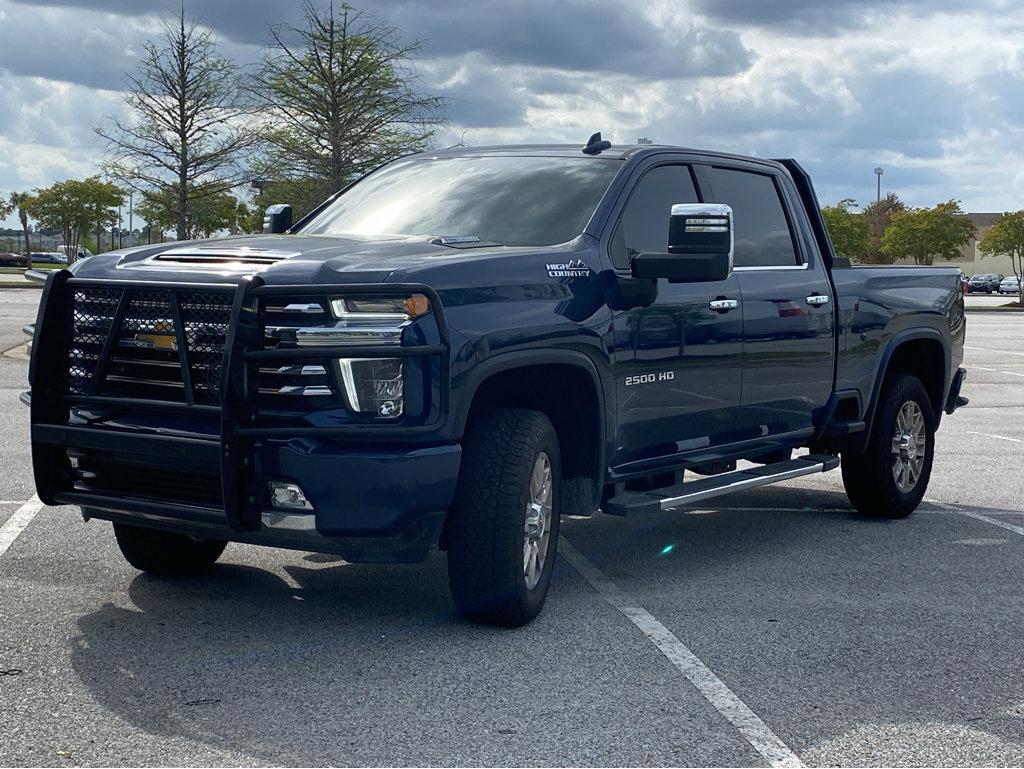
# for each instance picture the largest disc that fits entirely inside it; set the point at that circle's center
(92, 313)
(206, 318)
(144, 361)
(296, 387)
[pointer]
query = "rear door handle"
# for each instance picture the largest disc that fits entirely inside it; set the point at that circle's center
(817, 300)
(723, 305)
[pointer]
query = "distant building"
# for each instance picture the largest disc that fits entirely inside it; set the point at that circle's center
(971, 260)
(644, 140)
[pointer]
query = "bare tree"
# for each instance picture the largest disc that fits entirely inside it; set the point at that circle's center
(340, 97)
(186, 135)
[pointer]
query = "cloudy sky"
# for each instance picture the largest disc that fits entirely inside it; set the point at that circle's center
(932, 90)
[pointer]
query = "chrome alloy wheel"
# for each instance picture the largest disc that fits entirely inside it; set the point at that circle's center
(537, 532)
(909, 445)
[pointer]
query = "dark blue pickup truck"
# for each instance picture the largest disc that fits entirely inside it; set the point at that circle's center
(465, 345)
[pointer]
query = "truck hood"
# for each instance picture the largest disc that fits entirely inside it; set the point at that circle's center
(285, 259)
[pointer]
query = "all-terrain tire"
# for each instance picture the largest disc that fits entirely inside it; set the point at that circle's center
(166, 552)
(870, 476)
(486, 527)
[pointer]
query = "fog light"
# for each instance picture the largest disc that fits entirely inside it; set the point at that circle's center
(288, 496)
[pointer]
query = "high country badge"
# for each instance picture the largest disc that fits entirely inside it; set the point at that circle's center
(577, 268)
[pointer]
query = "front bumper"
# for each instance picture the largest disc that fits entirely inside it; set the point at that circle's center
(370, 504)
(205, 469)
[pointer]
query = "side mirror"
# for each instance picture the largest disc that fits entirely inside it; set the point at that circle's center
(278, 218)
(700, 246)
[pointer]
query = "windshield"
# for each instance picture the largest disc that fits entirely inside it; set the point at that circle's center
(533, 201)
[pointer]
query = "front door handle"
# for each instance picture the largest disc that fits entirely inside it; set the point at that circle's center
(723, 305)
(817, 300)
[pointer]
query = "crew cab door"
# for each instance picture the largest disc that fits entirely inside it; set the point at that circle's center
(678, 360)
(788, 315)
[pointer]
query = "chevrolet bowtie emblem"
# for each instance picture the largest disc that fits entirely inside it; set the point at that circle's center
(156, 341)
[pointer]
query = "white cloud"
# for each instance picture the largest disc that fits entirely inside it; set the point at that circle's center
(842, 85)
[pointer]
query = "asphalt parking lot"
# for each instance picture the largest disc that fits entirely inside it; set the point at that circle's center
(775, 627)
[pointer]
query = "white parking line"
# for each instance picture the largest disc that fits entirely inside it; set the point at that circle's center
(16, 524)
(993, 435)
(996, 370)
(1001, 352)
(978, 516)
(753, 729)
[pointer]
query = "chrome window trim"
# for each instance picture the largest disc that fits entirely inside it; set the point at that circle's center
(772, 267)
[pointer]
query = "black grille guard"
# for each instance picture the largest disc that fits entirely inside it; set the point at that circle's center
(52, 400)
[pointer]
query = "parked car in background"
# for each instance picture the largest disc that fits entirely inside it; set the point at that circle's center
(984, 283)
(48, 257)
(14, 260)
(81, 253)
(1009, 285)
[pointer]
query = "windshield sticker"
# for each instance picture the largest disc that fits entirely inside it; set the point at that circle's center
(577, 268)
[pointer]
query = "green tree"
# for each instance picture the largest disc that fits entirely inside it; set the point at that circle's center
(247, 219)
(5, 207)
(187, 137)
(340, 98)
(849, 230)
(878, 216)
(927, 234)
(1006, 237)
(207, 214)
(72, 206)
(19, 201)
(101, 199)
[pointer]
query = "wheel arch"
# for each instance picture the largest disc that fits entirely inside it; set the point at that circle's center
(923, 352)
(563, 384)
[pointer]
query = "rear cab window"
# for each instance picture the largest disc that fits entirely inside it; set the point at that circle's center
(763, 231)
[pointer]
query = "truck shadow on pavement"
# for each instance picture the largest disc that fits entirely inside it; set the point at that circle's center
(319, 662)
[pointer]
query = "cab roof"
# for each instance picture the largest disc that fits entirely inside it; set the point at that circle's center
(616, 151)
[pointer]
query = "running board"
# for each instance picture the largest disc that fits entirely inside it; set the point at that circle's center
(655, 500)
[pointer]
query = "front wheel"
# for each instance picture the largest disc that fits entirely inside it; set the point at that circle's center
(166, 552)
(889, 478)
(502, 529)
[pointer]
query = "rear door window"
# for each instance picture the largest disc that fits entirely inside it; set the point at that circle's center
(762, 232)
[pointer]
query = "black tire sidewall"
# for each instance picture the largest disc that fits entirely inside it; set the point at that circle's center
(487, 520)
(157, 551)
(868, 476)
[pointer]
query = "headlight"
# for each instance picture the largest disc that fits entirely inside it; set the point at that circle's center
(374, 320)
(398, 309)
(373, 385)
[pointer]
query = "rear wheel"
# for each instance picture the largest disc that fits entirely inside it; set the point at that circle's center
(166, 552)
(889, 478)
(502, 529)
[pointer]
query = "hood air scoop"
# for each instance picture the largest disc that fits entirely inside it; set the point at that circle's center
(243, 255)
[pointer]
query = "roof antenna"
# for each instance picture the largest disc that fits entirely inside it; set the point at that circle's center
(595, 146)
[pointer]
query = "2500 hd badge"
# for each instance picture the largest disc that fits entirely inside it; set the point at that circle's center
(661, 376)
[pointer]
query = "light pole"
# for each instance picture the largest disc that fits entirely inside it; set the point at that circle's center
(878, 173)
(131, 211)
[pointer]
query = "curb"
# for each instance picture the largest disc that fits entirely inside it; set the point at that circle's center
(994, 309)
(19, 284)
